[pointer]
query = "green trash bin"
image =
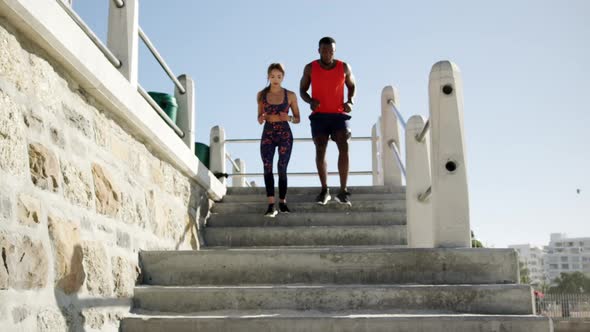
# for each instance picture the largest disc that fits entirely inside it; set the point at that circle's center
(166, 102)
(202, 152)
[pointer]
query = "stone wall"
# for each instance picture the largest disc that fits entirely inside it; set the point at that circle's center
(79, 197)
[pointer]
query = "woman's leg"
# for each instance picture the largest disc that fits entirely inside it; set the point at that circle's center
(267, 152)
(285, 147)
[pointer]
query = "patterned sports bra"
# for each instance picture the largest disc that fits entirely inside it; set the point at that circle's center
(276, 108)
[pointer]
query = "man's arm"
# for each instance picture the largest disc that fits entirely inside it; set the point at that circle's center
(304, 86)
(350, 86)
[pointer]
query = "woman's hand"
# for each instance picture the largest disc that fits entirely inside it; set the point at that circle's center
(284, 116)
(261, 118)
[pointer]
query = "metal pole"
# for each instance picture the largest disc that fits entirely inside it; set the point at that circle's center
(398, 158)
(305, 174)
(257, 140)
(107, 53)
(425, 195)
(158, 57)
(397, 113)
(420, 136)
(160, 112)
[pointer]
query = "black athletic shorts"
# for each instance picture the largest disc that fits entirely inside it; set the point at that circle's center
(327, 124)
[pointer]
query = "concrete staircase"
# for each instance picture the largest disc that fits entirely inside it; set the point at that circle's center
(327, 268)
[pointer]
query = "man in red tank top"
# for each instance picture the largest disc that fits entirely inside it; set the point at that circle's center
(330, 113)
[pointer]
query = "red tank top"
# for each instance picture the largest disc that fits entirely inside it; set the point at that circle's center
(327, 87)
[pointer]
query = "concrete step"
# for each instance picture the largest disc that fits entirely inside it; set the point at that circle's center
(343, 265)
(475, 299)
(292, 198)
(313, 191)
(304, 236)
(339, 322)
(298, 207)
(308, 219)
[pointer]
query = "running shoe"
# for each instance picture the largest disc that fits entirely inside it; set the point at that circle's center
(324, 197)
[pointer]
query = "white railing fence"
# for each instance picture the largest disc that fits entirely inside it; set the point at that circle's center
(565, 306)
(218, 165)
(122, 50)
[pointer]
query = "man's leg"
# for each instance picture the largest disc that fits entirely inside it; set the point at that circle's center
(341, 138)
(321, 143)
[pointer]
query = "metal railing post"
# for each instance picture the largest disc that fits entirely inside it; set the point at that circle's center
(376, 156)
(420, 225)
(389, 133)
(450, 200)
(217, 153)
(239, 180)
(185, 119)
(123, 38)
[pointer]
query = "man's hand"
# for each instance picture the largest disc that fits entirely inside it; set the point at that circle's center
(313, 104)
(348, 107)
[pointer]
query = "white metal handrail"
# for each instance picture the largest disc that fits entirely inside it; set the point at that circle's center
(302, 139)
(160, 111)
(422, 134)
(229, 158)
(107, 53)
(160, 60)
(118, 64)
(425, 195)
(304, 173)
(397, 113)
(237, 168)
(398, 157)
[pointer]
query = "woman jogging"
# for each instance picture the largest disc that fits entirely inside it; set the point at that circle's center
(274, 102)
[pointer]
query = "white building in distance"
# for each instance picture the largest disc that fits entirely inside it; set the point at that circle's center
(567, 255)
(533, 259)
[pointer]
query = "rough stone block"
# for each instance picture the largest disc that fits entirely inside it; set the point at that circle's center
(93, 318)
(29, 210)
(157, 214)
(157, 176)
(129, 213)
(77, 185)
(57, 137)
(33, 120)
(24, 263)
(119, 149)
(50, 320)
(125, 276)
(77, 120)
(108, 198)
(96, 263)
(69, 270)
(5, 205)
(102, 135)
(45, 172)
(13, 150)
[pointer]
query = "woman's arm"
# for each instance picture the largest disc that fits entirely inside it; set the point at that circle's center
(294, 107)
(260, 108)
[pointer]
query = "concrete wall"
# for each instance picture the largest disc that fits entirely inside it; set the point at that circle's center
(571, 325)
(79, 196)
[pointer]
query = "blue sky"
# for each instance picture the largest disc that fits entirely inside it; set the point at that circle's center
(526, 86)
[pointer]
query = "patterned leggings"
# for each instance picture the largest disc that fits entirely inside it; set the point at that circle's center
(276, 134)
